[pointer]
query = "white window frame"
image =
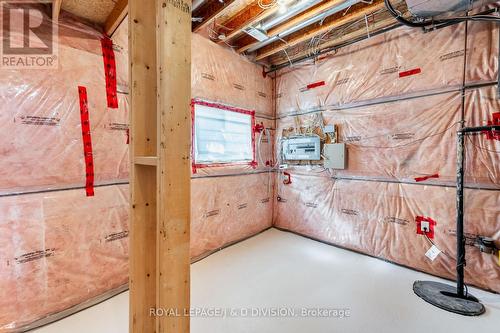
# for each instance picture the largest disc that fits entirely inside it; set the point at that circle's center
(239, 118)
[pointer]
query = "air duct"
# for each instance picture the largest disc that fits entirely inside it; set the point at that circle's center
(432, 8)
(299, 7)
(318, 18)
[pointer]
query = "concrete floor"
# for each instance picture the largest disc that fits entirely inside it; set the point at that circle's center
(278, 270)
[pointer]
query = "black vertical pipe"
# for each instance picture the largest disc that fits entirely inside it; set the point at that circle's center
(498, 68)
(460, 215)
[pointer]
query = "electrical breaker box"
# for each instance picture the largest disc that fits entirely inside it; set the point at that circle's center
(302, 148)
(335, 156)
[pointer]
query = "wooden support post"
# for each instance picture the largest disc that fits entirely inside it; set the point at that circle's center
(160, 83)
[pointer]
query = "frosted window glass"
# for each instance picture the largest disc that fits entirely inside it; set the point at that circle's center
(222, 136)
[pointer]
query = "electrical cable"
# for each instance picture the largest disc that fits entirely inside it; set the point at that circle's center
(432, 243)
(450, 257)
(268, 5)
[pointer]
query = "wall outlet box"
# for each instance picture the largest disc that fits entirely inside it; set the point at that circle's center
(335, 156)
(425, 226)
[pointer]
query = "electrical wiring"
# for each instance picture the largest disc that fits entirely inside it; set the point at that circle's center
(434, 244)
(259, 145)
(429, 23)
(331, 34)
(450, 257)
(268, 5)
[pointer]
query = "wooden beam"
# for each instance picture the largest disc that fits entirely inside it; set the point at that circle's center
(294, 21)
(160, 138)
(245, 18)
(116, 17)
(143, 138)
(208, 10)
(338, 20)
(56, 9)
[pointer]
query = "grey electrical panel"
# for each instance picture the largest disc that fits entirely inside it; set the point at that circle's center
(335, 156)
(302, 148)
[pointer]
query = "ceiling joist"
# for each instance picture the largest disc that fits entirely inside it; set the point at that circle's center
(335, 42)
(116, 16)
(323, 6)
(334, 21)
(247, 17)
(208, 10)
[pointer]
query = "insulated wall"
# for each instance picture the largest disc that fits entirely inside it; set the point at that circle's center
(64, 249)
(398, 100)
(231, 202)
(60, 247)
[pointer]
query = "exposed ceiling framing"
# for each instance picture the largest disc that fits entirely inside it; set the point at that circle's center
(318, 25)
(358, 11)
(248, 16)
(206, 11)
(271, 32)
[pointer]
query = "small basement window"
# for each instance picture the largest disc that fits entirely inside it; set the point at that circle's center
(222, 135)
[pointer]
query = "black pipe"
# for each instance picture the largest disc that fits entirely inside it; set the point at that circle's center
(461, 262)
(460, 215)
(479, 129)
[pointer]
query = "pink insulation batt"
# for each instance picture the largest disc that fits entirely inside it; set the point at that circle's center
(398, 128)
(397, 98)
(62, 248)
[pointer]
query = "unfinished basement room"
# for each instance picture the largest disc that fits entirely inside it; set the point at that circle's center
(249, 166)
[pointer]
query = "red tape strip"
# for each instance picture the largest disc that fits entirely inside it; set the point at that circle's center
(493, 135)
(108, 55)
(422, 179)
(316, 84)
(87, 141)
(411, 72)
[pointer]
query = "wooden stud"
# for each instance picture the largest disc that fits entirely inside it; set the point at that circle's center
(143, 138)
(56, 9)
(160, 131)
(174, 167)
(309, 33)
(116, 17)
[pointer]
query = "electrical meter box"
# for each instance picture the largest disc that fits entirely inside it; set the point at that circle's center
(302, 148)
(335, 156)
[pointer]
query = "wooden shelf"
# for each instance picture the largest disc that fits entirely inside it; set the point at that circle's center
(146, 160)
